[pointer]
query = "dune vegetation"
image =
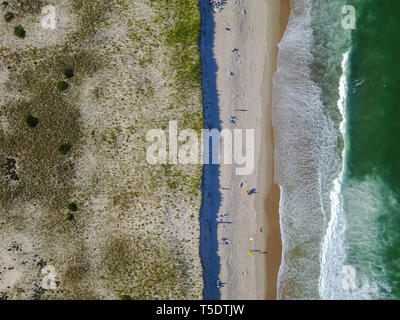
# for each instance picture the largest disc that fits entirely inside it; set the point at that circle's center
(76, 192)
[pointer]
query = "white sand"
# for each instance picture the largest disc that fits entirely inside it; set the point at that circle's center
(255, 31)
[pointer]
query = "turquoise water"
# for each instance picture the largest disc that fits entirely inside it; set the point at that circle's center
(337, 125)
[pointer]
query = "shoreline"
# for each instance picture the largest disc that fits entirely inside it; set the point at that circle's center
(245, 69)
(270, 205)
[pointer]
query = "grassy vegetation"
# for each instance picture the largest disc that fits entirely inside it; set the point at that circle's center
(179, 35)
(28, 7)
(38, 149)
(142, 269)
(92, 14)
(32, 121)
(8, 16)
(19, 32)
(72, 206)
(150, 261)
(62, 85)
(182, 37)
(64, 148)
(69, 72)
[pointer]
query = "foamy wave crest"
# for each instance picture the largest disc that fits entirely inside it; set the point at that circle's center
(371, 204)
(333, 246)
(306, 157)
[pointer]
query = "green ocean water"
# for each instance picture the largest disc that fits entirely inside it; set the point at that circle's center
(337, 129)
(371, 185)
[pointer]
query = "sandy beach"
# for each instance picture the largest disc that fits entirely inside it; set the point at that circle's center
(246, 37)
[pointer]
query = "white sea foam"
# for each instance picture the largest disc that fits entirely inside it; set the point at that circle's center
(366, 202)
(298, 121)
(333, 246)
(306, 157)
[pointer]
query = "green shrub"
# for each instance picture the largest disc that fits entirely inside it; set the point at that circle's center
(126, 297)
(69, 73)
(62, 85)
(8, 16)
(64, 148)
(70, 217)
(32, 121)
(19, 32)
(72, 206)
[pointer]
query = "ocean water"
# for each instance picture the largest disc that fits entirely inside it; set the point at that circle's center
(337, 123)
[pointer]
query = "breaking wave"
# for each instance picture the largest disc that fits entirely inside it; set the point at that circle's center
(308, 141)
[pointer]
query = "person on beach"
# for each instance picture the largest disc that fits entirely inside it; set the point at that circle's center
(251, 191)
(215, 5)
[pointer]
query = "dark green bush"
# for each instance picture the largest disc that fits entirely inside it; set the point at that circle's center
(19, 32)
(126, 297)
(69, 73)
(64, 148)
(62, 85)
(72, 206)
(32, 121)
(70, 217)
(8, 16)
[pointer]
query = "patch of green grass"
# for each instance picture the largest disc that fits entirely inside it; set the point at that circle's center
(183, 37)
(72, 206)
(19, 31)
(91, 15)
(28, 7)
(144, 269)
(62, 85)
(64, 148)
(8, 16)
(69, 72)
(47, 176)
(32, 121)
